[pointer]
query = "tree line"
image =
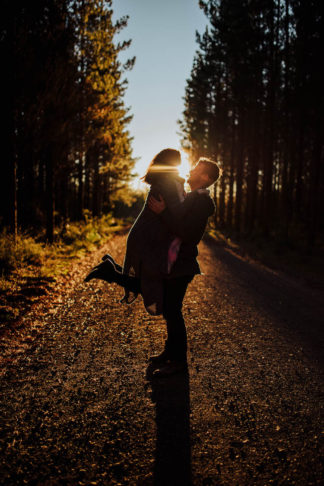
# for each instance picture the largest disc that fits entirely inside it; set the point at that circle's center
(66, 147)
(254, 102)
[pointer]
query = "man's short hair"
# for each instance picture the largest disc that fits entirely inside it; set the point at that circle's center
(210, 168)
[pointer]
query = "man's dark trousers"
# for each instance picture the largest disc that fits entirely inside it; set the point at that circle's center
(174, 292)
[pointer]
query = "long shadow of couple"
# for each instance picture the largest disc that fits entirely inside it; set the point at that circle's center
(171, 396)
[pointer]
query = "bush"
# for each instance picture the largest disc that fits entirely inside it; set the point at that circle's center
(13, 254)
(73, 239)
(87, 234)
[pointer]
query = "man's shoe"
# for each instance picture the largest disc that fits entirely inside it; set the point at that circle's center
(104, 271)
(160, 359)
(171, 368)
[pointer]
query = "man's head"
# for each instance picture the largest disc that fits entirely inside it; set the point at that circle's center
(204, 174)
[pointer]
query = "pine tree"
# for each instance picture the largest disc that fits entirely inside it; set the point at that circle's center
(254, 102)
(66, 123)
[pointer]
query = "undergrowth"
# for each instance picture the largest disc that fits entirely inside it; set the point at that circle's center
(291, 256)
(30, 255)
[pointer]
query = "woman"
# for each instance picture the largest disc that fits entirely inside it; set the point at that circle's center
(151, 249)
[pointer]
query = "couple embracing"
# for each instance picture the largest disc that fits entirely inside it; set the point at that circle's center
(161, 252)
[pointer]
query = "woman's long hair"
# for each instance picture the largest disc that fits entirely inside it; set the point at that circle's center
(165, 161)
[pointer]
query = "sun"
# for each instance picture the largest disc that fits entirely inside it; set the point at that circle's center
(184, 167)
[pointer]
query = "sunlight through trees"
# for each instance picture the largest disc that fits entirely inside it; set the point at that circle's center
(66, 145)
(254, 102)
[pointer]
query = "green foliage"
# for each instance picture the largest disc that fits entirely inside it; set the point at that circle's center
(24, 251)
(63, 112)
(106, 139)
(74, 239)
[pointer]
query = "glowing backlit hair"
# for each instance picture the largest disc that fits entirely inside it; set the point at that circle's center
(165, 161)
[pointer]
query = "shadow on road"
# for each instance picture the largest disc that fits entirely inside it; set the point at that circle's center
(173, 453)
(294, 306)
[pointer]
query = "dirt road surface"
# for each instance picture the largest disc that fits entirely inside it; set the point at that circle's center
(79, 405)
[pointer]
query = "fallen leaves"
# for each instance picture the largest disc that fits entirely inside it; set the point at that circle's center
(77, 408)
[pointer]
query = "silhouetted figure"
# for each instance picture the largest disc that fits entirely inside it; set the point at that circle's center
(180, 227)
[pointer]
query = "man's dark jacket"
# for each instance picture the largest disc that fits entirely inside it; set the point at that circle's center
(189, 223)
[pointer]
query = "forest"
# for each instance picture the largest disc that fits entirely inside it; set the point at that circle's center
(254, 103)
(66, 147)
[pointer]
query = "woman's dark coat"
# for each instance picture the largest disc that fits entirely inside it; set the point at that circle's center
(149, 240)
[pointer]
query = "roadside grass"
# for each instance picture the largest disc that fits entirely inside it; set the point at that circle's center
(291, 257)
(29, 267)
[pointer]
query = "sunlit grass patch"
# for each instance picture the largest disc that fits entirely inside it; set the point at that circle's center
(30, 266)
(14, 253)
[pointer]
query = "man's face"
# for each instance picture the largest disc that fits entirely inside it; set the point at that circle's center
(198, 177)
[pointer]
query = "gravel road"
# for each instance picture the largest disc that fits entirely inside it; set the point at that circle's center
(79, 405)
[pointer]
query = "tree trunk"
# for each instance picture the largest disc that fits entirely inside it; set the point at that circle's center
(222, 201)
(96, 187)
(230, 203)
(49, 197)
(80, 186)
(314, 188)
(239, 177)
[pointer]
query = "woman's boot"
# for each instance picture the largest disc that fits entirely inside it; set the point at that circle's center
(104, 271)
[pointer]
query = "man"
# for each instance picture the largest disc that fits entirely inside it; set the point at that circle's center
(189, 225)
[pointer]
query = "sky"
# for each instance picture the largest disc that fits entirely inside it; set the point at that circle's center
(163, 41)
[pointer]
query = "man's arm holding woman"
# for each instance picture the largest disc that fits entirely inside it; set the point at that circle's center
(189, 223)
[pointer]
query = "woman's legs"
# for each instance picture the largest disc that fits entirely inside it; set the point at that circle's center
(107, 271)
(128, 282)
